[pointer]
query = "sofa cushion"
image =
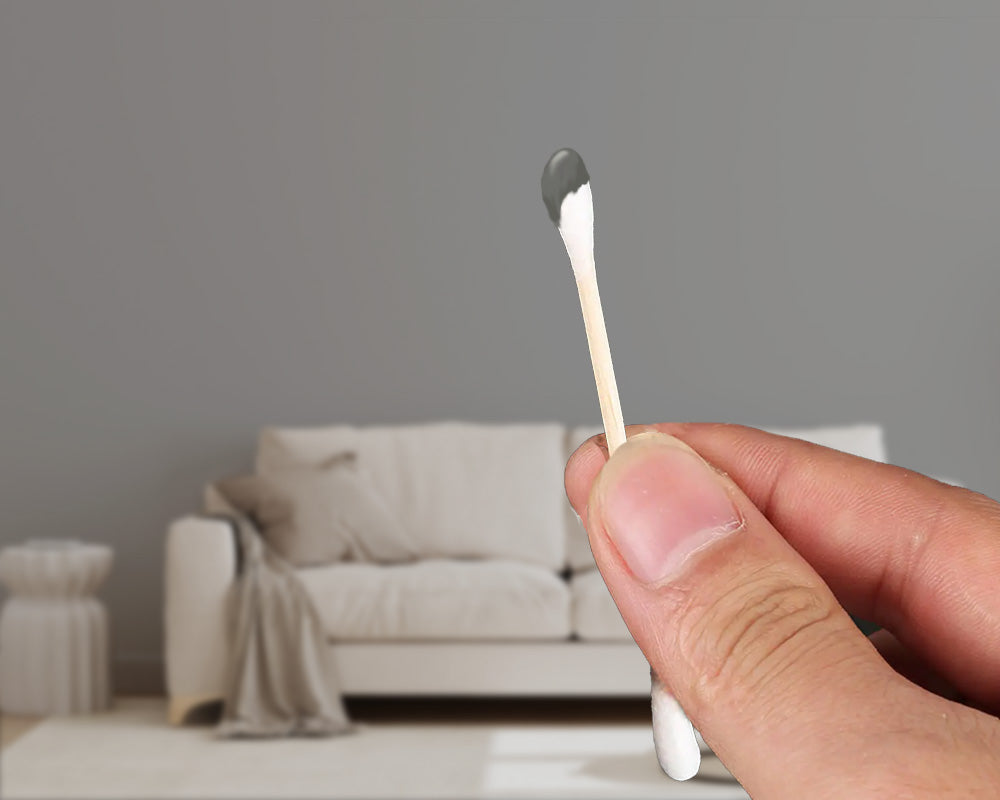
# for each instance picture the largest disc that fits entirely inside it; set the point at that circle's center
(461, 490)
(863, 440)
(594, 613)
(441, 599)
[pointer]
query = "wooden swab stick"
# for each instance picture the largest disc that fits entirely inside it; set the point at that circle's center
(567, 195)
(600, 357)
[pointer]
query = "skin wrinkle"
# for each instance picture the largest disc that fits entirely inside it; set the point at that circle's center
(760, 618)
(822, 733)
(985, 729)
(922, 586)
(931, 723)
(777, 471)
(789, 646)
(690, 636)
(843, 729)
(836, 663)
(892, 598)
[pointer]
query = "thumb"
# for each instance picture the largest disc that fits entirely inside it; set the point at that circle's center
(733, 621)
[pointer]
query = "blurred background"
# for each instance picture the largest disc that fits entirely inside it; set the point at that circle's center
(216, 216)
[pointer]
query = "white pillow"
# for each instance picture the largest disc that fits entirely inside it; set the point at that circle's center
(461, 490)
(321, 515)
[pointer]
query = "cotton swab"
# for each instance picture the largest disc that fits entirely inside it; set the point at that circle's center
(677, 747)
(567, 195)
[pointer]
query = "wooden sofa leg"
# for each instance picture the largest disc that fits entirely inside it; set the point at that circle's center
(182, 705)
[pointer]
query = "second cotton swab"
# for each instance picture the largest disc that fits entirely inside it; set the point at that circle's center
(567, 195)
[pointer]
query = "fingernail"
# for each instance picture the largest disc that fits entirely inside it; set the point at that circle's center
(660, 503)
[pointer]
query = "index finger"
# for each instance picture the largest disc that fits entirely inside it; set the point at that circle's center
(919, 557)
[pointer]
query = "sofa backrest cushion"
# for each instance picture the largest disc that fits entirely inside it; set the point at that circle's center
(865, 440)
(462, 490)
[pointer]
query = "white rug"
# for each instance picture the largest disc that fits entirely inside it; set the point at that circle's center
(131, 752)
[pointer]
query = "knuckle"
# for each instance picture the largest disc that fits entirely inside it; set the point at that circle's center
(751, 634)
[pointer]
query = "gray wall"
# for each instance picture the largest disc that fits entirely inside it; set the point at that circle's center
(215, 216)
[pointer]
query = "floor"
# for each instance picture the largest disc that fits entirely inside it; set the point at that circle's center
(567, 712)
(406, 748)
(13, 727)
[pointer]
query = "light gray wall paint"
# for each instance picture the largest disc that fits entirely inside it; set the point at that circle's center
(219, 215)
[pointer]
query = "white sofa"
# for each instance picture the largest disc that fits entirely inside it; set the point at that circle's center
(505, 598)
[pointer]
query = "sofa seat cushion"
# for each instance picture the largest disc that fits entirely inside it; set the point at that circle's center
(440, 599)
(595, 615)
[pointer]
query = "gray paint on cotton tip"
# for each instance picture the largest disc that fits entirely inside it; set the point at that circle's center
(563, 174)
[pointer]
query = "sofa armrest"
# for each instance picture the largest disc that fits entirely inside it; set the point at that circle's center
(201, 565)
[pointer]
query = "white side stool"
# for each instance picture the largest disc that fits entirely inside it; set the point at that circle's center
(53, 631)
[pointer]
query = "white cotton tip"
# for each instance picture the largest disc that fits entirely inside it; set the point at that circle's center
(576, 226)
(567, 197)
(677, 747)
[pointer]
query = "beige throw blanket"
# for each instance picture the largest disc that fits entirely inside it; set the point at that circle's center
(281, 680)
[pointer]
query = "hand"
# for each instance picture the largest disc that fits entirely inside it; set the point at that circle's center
(733, 569)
